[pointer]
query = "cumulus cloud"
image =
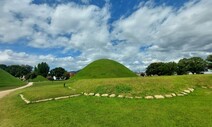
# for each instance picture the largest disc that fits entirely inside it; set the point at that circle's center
(170, 34)
(10, 57)
(145, 36)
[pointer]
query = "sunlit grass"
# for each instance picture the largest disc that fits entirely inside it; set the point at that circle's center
(137, 86)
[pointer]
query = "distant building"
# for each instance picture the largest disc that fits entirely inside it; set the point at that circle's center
(72, 73)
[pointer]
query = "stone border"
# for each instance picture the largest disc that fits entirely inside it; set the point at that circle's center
(47, 99)
(205, 87)
(171, 95)
(183, 93)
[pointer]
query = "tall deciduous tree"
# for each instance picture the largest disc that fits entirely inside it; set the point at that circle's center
(160, 68)
(182, 66)
(19, 70)
(196, 65)
(209, 61)
(58, 72)
(3, 66)
(42, 69)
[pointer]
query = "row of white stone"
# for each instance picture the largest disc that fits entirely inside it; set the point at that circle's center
(205, 87)
(183, 93)
(48, 99)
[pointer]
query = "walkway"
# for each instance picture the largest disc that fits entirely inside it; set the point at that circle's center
(6, 92)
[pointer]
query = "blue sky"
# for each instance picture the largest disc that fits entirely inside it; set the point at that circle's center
(73, 33)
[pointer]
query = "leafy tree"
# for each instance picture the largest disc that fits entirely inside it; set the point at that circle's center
(19, 70)
(209, 61)
(3, 66)
(160, 68)
(196, 65)
(58, 72)
(154, 68)
(171, 68)
(142, 74)
(31, 75)
(183, 66)
(42, 69)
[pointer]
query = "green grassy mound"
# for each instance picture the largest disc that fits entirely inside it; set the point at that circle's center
(104, 68)
(39, 78)
(7, 80)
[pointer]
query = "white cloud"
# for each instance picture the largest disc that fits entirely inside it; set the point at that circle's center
(10, 57)
(172, 34)
(168, 34)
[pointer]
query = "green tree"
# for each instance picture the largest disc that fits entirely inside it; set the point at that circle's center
(170, 68)
(209, 61)
(42, 69)
(58, 72)
(196, 65)
(154, 68)
(160, 68)
(19, 70)
(3, 66)
(182, 66)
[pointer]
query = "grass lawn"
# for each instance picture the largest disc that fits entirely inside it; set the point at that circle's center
(136, 86)
(192, 110)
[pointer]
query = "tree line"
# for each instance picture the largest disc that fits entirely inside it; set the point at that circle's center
(195, 65)
(27, 72)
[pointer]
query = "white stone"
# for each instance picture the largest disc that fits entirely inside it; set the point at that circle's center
(130, 97)
(28, 102)
(43, 100)
(137, 97)
(173, 94)
(24, 99)
(204, 87)
(187, 91)
(168, 95)
(104, 95)
(159, 96)
(112, 95)
(91, 94)
(120, 96)
(180, 94)
(75, 95)
(148, 97)
(63, 97)
(98, 95)
(85, 94)
(184, 93)
(191, 89)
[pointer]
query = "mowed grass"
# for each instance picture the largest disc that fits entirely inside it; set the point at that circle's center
(7, 81)
(193, 110)
(47, 89)
(135, 86)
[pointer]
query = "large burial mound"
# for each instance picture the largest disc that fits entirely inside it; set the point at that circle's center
(104, 68)
(7, 80)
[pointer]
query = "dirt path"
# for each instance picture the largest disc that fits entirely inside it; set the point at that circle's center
(6, 92)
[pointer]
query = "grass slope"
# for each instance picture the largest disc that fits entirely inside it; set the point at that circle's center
(104, 68)
(193, 110)
(136, 86)
(8, 81)
(39, 78)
